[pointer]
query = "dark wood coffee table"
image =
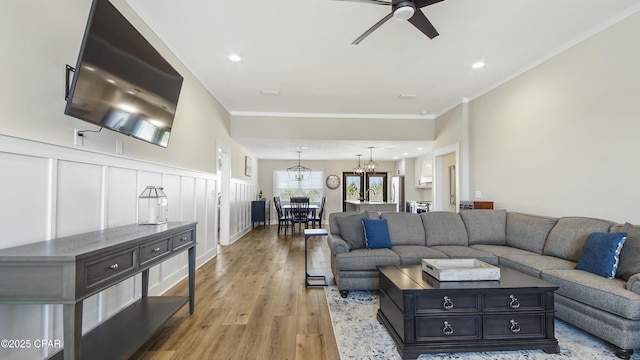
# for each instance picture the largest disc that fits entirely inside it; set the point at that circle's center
(424, 315)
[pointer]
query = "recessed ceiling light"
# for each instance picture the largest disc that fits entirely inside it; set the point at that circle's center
(235, 57)
(419, 149)
(271, 92)
(478, 65)
(302, 147)
(405, 153)
(407, 96)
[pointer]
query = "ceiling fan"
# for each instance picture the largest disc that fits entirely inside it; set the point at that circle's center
(402, 10)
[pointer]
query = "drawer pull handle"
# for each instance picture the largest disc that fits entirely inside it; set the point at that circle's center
(156, 250)
(513, 303)
(515, 328)
(114, 266)
(447, 329)
(447, 304)
(184, 238)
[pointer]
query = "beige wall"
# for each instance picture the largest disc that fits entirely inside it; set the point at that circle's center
(40, 37)
(562, 139)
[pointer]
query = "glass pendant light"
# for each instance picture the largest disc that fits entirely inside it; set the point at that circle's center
(370, 166)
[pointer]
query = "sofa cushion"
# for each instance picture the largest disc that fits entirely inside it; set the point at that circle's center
(366, 259)
(630, 254)
(352, 231)
(569, 234)
(534, 264)
(501, 250)
(405, 228)
(376, 233)
(528, 232)
(608, 295)
(600, 254)
(334, 227)
(413, 254)
(457, 251)
(444, 228)
(485, 226)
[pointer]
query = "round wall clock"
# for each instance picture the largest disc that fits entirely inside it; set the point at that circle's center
(333, 181)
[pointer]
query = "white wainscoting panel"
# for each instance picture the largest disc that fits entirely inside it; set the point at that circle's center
(50, 191)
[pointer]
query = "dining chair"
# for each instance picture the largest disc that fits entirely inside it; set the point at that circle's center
(299, 213)
(318, 217)
(282, 219)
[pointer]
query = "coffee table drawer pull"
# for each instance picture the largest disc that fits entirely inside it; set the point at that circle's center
(514, 303)
(515, 328)
(447, 329)
(447, 304)
(114, 266)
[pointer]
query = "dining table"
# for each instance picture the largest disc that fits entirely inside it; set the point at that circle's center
(313, 209)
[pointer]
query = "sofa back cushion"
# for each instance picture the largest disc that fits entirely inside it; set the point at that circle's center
(528, 232)
(334, 227)
(630, 255)
(444, 228)
(487, 227)
(567, 237)
(352, 230)
(405, 228)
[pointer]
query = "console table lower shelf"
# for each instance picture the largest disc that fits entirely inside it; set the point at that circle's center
(123, 334)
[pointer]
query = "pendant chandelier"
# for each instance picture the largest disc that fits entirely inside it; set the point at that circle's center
(298, 172)
(370, 165)
(358, 169)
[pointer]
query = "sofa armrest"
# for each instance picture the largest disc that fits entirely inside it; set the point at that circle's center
(633, 283)
(337, 244)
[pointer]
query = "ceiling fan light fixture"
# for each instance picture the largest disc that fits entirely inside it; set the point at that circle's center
(403, 10)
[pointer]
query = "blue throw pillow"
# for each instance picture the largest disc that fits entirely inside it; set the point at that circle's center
(601, 253)
(376, 233)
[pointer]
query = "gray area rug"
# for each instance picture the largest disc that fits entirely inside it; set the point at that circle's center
(360, 336)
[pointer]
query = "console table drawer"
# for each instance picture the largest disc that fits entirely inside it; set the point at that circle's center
(449, 302)
(154, 250)
(510, 326)
(182, 239)
(447, 328)
(110, 266)
(513, 300)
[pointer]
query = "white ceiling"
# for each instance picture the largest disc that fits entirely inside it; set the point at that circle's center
(302, 48)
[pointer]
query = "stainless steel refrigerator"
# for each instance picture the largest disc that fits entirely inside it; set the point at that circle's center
(397, 192)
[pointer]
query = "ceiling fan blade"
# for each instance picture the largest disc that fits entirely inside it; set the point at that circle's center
(423, 24)
(372, 29)
(375, 2)
(422, 3)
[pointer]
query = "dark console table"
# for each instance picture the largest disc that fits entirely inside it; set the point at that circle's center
(70, 269)
(424, 315)
(260, 212)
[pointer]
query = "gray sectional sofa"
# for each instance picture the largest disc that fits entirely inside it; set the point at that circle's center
(544, 247)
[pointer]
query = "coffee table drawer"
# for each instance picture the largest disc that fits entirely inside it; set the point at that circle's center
(447, 328)
(510, 326)
(514, 300)
(449, 302)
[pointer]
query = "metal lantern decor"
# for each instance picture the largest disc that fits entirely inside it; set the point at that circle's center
(153, 206)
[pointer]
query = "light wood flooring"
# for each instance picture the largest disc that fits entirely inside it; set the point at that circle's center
(251, 303)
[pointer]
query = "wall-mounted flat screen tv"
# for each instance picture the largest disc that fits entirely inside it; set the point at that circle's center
(120, 81)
